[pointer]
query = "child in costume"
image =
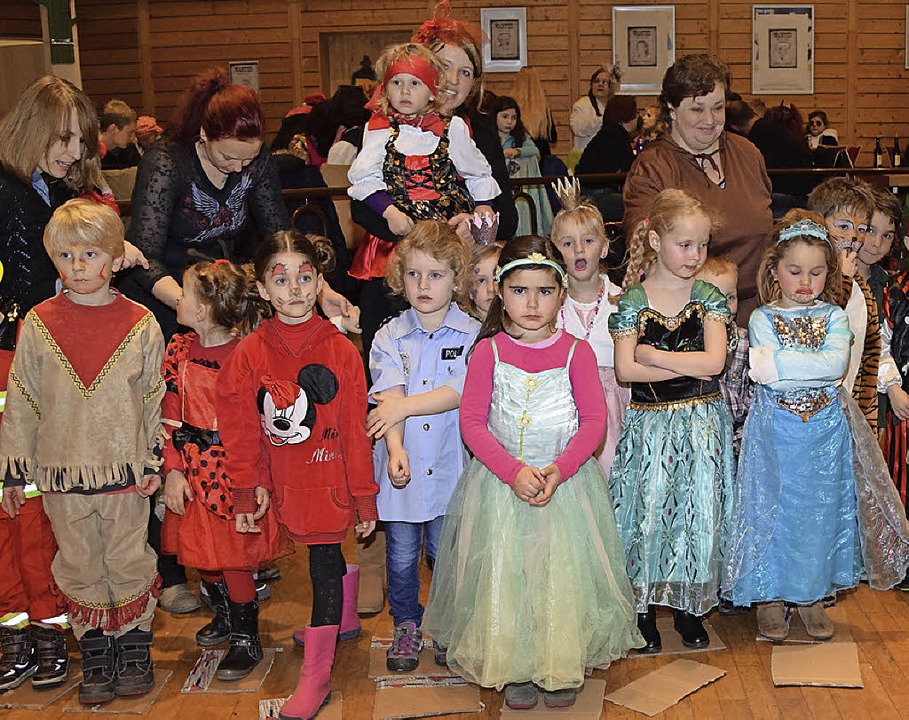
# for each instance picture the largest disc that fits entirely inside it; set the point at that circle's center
(579, 235)
(95, 358)
(673, 472)
(199, 524)
(415, 163)
(846, 205)
(522, 158)
(485, 258)
(291, 407)
(815, 509)
(418, 362)
(529, 590)
(736, 386)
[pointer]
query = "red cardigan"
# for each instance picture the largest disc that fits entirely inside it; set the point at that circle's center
(292, 400)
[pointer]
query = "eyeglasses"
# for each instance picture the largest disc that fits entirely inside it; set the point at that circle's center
(815, 123)
(601, 81)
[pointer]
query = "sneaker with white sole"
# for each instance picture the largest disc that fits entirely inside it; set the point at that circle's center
(404, 653)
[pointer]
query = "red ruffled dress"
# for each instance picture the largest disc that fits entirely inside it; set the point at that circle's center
(204, 537)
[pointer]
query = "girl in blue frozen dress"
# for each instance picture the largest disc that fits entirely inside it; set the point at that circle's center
(815, 509)
(672, 476)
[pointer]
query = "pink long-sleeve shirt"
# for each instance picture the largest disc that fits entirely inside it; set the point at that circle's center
(533, 358)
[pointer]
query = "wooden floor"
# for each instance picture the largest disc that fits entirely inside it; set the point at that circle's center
(879, 620)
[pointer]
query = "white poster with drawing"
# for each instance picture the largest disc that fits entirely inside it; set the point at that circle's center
(782, 53)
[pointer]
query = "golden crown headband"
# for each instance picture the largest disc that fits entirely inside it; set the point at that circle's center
(532, 259)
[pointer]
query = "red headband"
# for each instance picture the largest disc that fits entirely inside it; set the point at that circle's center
(413, 65)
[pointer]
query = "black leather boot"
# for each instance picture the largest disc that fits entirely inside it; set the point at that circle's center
(691, 628)
(218, 630)
(18, 662)
(52, 657)
(245, 650)
(135, 670)
(99, 668)
(648, 628)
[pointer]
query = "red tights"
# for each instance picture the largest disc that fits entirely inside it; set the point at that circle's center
(240, 584)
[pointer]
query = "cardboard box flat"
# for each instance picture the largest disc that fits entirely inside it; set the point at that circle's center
(425, 700)
(202, 678)
(269, 709)
(827, 665)
(25, 697)
(123, 706)
(672, 641)
(663, 688)
(426, 669)
(588, 706)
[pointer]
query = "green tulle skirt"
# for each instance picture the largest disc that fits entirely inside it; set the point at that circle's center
(521, 593)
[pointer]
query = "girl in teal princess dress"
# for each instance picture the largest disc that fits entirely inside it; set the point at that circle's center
(529, 589)
(672, 476)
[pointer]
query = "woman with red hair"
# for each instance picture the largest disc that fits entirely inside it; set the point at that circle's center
(209, 189)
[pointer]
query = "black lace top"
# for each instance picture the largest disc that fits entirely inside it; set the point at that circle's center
(29, 277)
(180, 217)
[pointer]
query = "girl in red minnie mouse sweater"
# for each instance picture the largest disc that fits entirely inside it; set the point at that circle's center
(292, 414)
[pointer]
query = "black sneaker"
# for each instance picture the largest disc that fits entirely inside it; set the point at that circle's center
(99, 668)
(135, 669)
(18, 661)
(903, 585)
(52, 657)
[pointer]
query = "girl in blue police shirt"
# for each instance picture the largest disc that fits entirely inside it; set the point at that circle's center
(418, 365)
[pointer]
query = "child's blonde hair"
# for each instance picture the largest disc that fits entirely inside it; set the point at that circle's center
(224, 288)
(718, 267)
(768, 286)
(667, 208)
(440, 241)
(396, 53)
(531, 98)
(842, 194)
(86, 224)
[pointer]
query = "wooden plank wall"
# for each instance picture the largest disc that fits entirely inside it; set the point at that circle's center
(860, 78)
(20, 19)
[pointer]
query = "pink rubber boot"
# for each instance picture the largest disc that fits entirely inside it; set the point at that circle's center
(314, 689)
(350, 621)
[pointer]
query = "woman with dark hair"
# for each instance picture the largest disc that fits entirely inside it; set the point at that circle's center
(587, 113)
(209, 189)
(723, 170)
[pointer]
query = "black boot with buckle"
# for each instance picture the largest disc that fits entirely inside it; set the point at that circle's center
(218, 630)
(18, 662)
(52, 657)
(99, 668)
(245, 647)
(135, 670)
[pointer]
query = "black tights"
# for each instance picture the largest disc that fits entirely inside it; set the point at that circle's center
(326, 569)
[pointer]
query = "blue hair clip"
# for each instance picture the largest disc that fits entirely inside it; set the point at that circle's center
(804, 227)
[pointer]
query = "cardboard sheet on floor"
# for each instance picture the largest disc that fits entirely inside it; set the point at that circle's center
(672, 641)
(25, 697)
(663, 688)
(837, 615)
(426, 669)
(122, 706)
(202, 678)
(588, 706)
(827, 665)
(269, 709)
(415, 697)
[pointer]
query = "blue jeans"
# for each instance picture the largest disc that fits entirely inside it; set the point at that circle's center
(403, 543)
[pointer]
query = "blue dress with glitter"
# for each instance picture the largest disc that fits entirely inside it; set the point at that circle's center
(672, 476)
(815, 509)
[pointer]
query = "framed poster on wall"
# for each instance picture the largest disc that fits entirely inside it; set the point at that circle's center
(643, 46)
(782, 49)
(506, 29)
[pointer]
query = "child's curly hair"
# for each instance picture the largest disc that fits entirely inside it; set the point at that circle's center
(224, 289)
(393, 54)
(667, 208)
(768, 285)
(440, 241)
